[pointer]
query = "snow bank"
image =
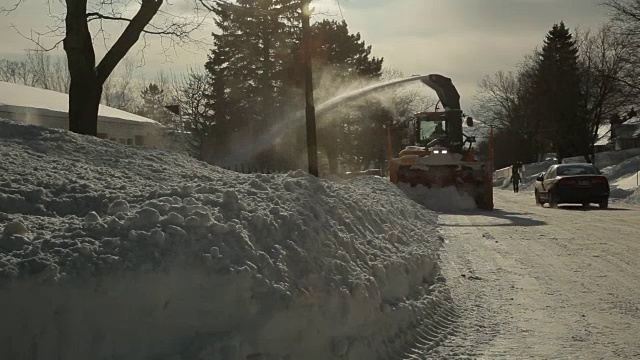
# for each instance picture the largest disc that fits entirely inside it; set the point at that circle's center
(607, 158)
(109, 251)
(623, 178)
(620, 167)
(445, 199)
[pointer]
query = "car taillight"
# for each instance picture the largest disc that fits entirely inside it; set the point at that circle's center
(567, 181)
(599, 180)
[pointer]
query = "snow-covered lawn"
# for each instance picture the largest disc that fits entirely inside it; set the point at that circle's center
(116, 252)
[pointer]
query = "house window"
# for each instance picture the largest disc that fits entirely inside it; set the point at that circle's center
(129, 141)
(139, 140)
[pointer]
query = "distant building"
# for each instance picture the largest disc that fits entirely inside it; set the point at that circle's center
(50, 109)
(626, 135)
(604, 142)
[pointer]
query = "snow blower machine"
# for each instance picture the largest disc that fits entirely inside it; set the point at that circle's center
(438, 155)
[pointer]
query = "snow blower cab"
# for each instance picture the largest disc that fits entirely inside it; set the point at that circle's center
(439, 155)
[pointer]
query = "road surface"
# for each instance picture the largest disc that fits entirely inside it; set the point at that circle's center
(534, 282)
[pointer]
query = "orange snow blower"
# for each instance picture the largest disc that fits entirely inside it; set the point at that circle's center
(438, 155)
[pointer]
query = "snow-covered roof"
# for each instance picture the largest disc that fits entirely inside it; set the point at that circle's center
(604, 135)
(16, 98)
(633, 121)
(628, 131)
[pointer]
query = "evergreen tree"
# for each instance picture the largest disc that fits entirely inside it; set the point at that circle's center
(153, 101)
(246, 68)
(557, 93)
(340, 58)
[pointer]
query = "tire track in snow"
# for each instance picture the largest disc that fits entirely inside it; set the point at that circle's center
(466, 310)
(438, 321)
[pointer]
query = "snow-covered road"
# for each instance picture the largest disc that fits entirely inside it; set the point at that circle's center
(536, 282)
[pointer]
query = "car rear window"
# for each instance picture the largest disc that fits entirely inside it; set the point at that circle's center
(577, 170)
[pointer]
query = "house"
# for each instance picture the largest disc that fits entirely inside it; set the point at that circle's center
(50, 108)
(626, 135)
(603, 141)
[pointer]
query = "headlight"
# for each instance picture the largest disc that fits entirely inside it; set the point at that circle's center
(444, 151)
(436, 151)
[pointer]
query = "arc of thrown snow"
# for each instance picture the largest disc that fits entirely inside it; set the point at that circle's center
(442, 85)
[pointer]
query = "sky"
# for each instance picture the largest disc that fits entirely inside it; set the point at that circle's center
(461, 39)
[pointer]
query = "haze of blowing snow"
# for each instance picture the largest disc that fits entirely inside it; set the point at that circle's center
(117, 252)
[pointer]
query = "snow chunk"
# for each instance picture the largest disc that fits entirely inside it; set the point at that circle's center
(156, 237)
(14, 228)
(148, 217)
(118, 206)
(173, 219)
(13, 242)
(91, 218)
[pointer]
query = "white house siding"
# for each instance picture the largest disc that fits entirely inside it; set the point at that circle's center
(49, 108)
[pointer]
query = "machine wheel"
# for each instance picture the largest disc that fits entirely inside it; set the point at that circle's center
(553, 202)
(604, 204)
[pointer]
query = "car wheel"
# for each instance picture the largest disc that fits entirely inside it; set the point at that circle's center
(553, 202)
(538, 201)
(604, 204)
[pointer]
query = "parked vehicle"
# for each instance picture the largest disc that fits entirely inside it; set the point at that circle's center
(572, 184)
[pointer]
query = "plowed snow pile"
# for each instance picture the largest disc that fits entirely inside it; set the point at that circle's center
(623, 178)
(116, 252)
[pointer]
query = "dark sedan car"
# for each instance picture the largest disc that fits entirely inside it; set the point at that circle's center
(572, 184)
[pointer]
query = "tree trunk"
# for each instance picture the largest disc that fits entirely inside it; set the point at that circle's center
(87, 79)
(84, 90)
(84, 102)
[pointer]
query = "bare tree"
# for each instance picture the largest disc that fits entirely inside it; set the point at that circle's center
(16, 71)
(37, 68)
(625, 22)
(60, 78)
(194, 113)
(497, 99)
(89, 76)
(120, 90)
(605, 64)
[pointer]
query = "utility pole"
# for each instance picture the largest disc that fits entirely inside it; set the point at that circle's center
(310, 109)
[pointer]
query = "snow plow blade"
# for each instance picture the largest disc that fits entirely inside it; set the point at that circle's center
(472, 178)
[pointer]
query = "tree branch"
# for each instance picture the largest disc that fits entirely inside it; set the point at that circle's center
(37, 41)
(128, 38)
(4, 10)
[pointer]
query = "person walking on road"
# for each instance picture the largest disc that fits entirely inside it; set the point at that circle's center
(515, 180)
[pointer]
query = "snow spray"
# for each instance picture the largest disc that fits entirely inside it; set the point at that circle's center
(245, 153)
